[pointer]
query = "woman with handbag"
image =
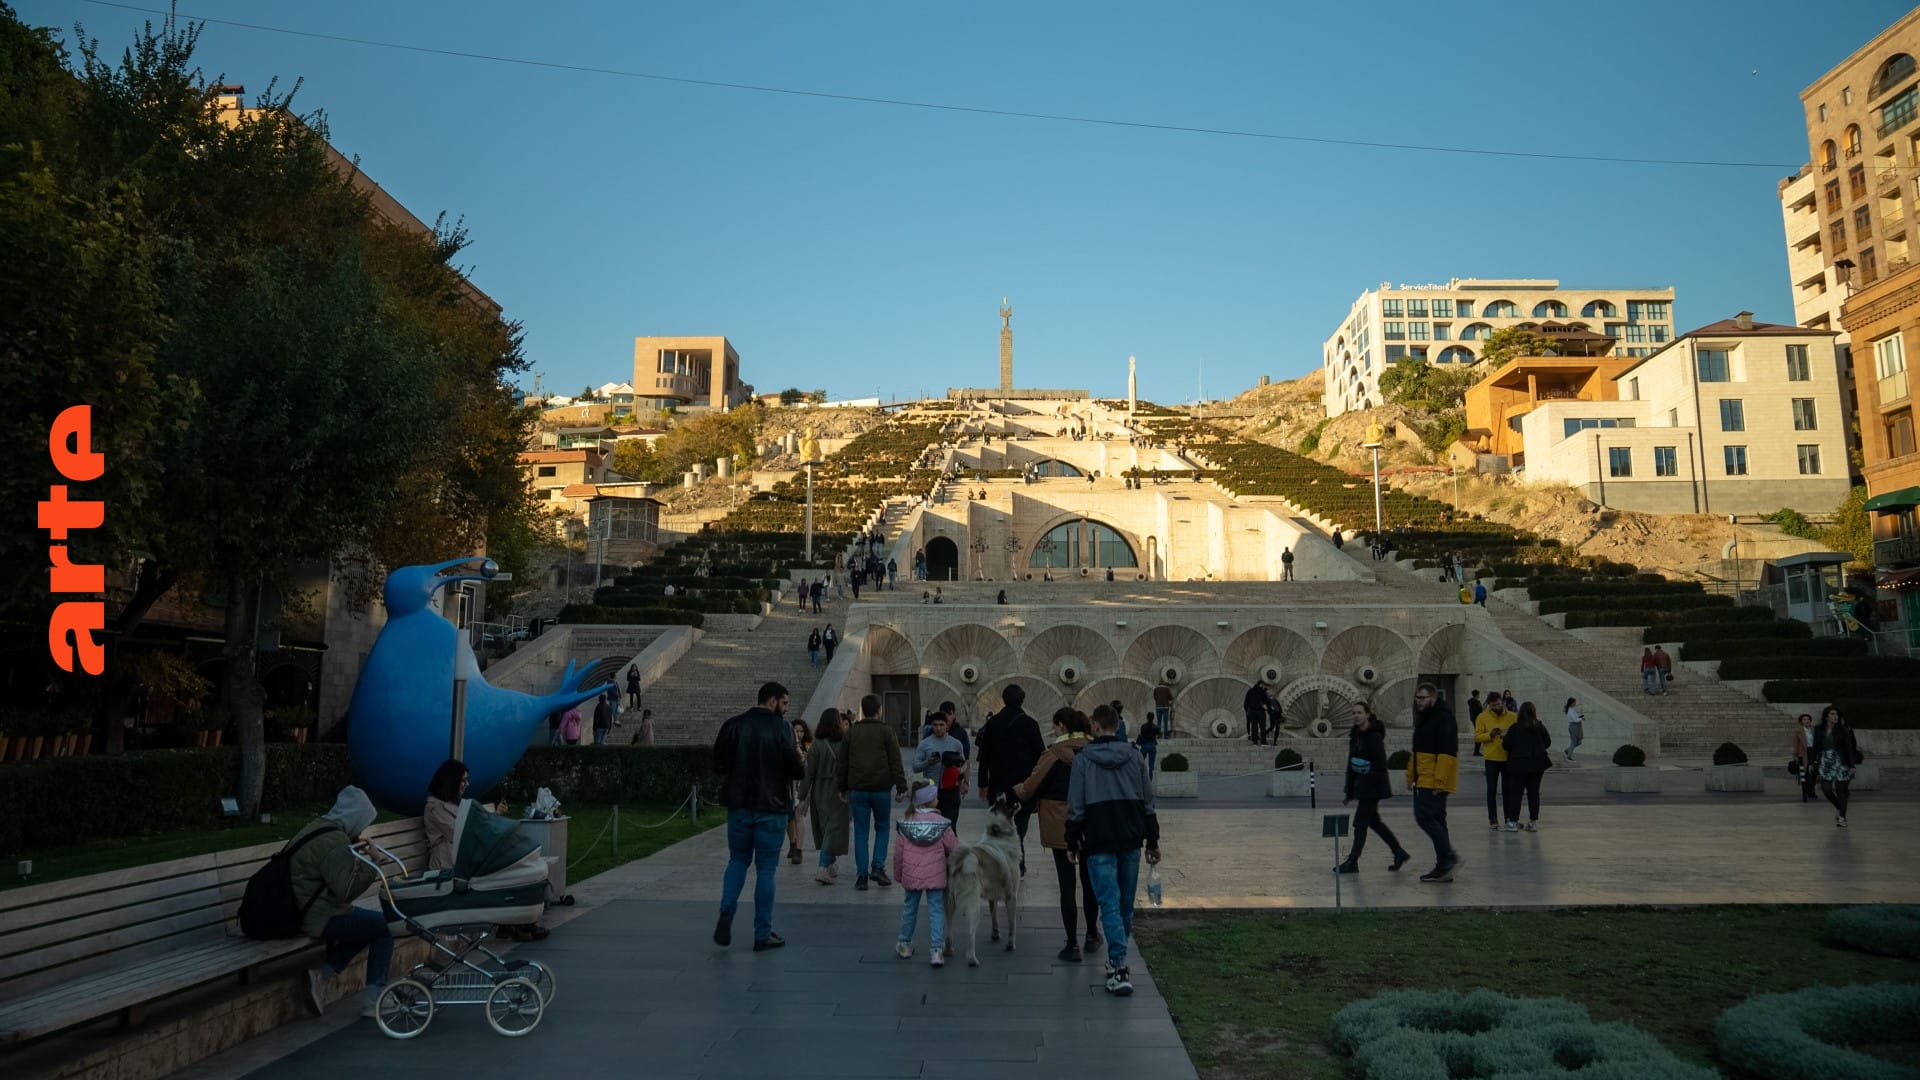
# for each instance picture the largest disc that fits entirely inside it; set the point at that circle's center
(803, 742)
(1367, 781)
(1800, 764)
(1834, 754)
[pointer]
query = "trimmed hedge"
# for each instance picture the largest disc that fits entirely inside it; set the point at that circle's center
(1633, 588)
(1657, 602)
(1286, 759)
(1398, 759)
(1175, 763)
(71, 800)
(1437, 1035)
(1729, 754)
(1578, 616)
(1805, 1035)
(1800, 666)
(1630, 756)
(630, 616)
(1881, 929)
(605, 775)
(1728, 625)
(1829, 689)
(1878, 714)
(1772, 647)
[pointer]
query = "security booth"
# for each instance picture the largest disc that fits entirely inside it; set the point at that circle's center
(1802, 587)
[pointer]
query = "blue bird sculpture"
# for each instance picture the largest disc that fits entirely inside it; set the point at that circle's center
(401, 720)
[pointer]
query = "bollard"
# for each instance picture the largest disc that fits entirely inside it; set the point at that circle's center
(1312, 800)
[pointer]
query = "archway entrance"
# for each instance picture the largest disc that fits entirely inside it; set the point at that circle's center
(943, 559)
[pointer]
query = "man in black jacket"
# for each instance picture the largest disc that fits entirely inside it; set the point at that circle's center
(1007, 745)
(758, 764)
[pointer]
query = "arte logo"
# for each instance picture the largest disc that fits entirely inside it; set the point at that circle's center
(70, 633)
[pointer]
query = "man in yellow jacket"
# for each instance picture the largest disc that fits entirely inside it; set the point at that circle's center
(1433, 774)
(1489, 734)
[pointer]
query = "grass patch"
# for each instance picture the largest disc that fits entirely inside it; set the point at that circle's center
(100, 856)
(1254, 994)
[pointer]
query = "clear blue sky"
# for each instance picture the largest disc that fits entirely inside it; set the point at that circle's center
(863, 248)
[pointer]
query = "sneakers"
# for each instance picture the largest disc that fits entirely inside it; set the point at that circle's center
(880, 877)
(1400, 859)
(833, 871)
(1840, 823)
(771, 941)
(1092, 942)
(903, 950)
(1533, 826)
(319, 980)
(1120, 983)
(1494, 825)
(370, 1001)
(723, 930)
(938, 959)
(1512, 826)
(1070, 954)
(824, 877)
(1443, 872)
(860, 883)
(1347, 868)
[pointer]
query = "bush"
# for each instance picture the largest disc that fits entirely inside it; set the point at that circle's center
(1881, 929)
(1829, 689)
(1728, 624)
(1286, 759)
(1175, 763)
(1676, 602)
(1806, 1035)
(1630, 756)
(1879, 714)
(1728, 754)
(1802, 666)
(612, 774)
(1435, 1035)
(1399, 759)
(630, 616)
(72, 800)
(1772, 647)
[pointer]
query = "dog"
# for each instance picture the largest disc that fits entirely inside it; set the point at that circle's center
(987, 872)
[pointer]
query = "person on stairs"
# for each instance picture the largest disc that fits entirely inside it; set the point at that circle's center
(1367, 782)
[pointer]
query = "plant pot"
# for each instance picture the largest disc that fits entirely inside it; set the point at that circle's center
(299, 734)
(1734, 778)
(1633, 779)
(218, 737)
(35, 744)
(1176, 785)
(1288, 784)
(1397, 781)
(86, 744)
(202, 738)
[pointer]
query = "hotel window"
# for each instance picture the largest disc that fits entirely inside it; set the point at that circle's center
(1733, 415)
(1839, 233)
(1712, 365)
(1617, 331)
(1899, 428)
(1442, 331)
(1736, 459)
(1394, 331)
(1574, 425)
(1890, 356)
(1797, 369)
(1417, 309)
(1636, 332)
(1619, 461)
(1665, 461)
(1396, 353)
(1803, 415)
(1443, 309)
(1809, 460)
(1862, 223)
(1419, 331)
(1857, 181)
(1657, 334)
(1463, 308)
(1900, 110)
(548, 470)
(1833, 196)
(1391, 308)
(1869, 265)
(1647, 311)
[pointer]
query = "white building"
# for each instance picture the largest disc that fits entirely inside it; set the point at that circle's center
(1448, 324)
(1736, 417)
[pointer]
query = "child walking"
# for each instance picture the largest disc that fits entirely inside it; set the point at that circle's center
(920, 866)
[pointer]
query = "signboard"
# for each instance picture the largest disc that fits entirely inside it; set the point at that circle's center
(1334, 824)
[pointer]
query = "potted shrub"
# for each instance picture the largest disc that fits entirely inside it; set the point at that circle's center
(295, 720)
(1397, 770)
(1289, 779)
(1630, 774)
(1730, 771)
(1175, 779)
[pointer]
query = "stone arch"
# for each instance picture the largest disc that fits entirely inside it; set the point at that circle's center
(1500, 309)
(968, 646)
(1456, 354)
(1393, 703)
(943, 559)
(1059, 548)
(1318, 697)
(1359, 649)
(1069, 645)
(1276, 646)
(889, 652)
(1183, 648)
(1440, 653)
(1134, 695)
(1599, 309)
(1476, 331)
(1200, 706)
(1550, 309)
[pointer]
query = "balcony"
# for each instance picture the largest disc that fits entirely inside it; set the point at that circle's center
(1893, 389)
(1893, 221)
(1895, 122)
(1893, 552)
(1888, 180)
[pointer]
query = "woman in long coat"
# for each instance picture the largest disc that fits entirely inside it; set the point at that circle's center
(828, 815)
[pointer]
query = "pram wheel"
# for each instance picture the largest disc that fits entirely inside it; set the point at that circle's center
(540, 975)
(515, 1007)
(404, 1009)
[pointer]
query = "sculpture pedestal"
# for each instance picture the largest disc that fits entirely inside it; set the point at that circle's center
(552, 838)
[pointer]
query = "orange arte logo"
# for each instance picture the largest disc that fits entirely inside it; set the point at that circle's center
(70, 633)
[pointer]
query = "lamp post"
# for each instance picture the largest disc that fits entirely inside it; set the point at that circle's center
(1376, 434)
(809, 467)
(979, 548)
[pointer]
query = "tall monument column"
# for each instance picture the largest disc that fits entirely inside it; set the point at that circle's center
(1006, 346)
(1133, 389)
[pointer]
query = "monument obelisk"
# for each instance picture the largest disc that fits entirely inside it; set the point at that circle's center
(1133, 388)
(1006, 346)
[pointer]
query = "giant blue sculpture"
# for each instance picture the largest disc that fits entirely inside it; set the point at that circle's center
(400, 723)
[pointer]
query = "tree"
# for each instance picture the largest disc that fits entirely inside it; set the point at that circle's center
(1852, 528)
(792, 395)
(635, 459)
(1508, 342)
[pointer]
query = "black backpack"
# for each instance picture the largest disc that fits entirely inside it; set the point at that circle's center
(268, 909)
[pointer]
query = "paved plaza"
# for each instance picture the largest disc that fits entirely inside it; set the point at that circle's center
(642, 990)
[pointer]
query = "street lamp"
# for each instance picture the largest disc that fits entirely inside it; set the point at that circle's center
(1376, 435)
(979, 548)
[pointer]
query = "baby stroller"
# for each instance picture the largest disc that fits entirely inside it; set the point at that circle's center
(498, 877)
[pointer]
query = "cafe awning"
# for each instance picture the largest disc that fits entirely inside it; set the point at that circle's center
(1894, 499)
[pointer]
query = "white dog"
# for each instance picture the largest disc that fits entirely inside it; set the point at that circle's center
(988, 871)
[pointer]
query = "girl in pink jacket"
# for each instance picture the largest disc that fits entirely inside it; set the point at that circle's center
(920, 866)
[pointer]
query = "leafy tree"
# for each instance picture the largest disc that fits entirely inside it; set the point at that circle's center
(792, 395)
(1794, 523)
(1510, 341)
(636, 460)
(1852, 528)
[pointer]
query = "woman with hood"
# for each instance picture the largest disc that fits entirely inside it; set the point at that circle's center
(1047, 785)
(1367, 781)
(327, 878)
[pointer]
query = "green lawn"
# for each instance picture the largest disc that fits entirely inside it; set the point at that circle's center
(99, 856)
(1254, 994)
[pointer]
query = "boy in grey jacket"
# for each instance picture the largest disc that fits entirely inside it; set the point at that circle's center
(1109, 816)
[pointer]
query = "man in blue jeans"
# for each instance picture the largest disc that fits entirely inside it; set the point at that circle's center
(758, 763)
(869, 766)
(1109, 815)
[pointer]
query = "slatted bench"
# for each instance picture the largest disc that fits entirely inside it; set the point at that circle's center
(87, 948)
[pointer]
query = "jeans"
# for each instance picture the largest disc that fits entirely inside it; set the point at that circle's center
(1115, 877)
(947, 801)
(600, 735)
(1527, 784)
(1150, 751)
(826, 860)
(1574, 739)
(1649, 678)
(345, 935)
(1368, 817)
(813, 657)
(871, 810)
(1430, 813)
(1256, 727)
(1495, 770)
(1664, 676)
(753, 838)
(936, 916)
(1066, 874)
(816, 603)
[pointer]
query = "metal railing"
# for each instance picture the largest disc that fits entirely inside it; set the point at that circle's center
(1897, 549)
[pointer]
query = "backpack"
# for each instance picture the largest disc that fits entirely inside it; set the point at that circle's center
(268, 909)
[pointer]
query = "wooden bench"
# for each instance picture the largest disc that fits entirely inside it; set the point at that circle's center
(80, 950)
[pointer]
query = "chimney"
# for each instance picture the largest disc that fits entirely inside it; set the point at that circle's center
(1744, 320)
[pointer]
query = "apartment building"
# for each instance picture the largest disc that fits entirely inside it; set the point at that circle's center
(1449, 324)
(1884, 320)
(565, 479)
(672, 372)
(1737, 417)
